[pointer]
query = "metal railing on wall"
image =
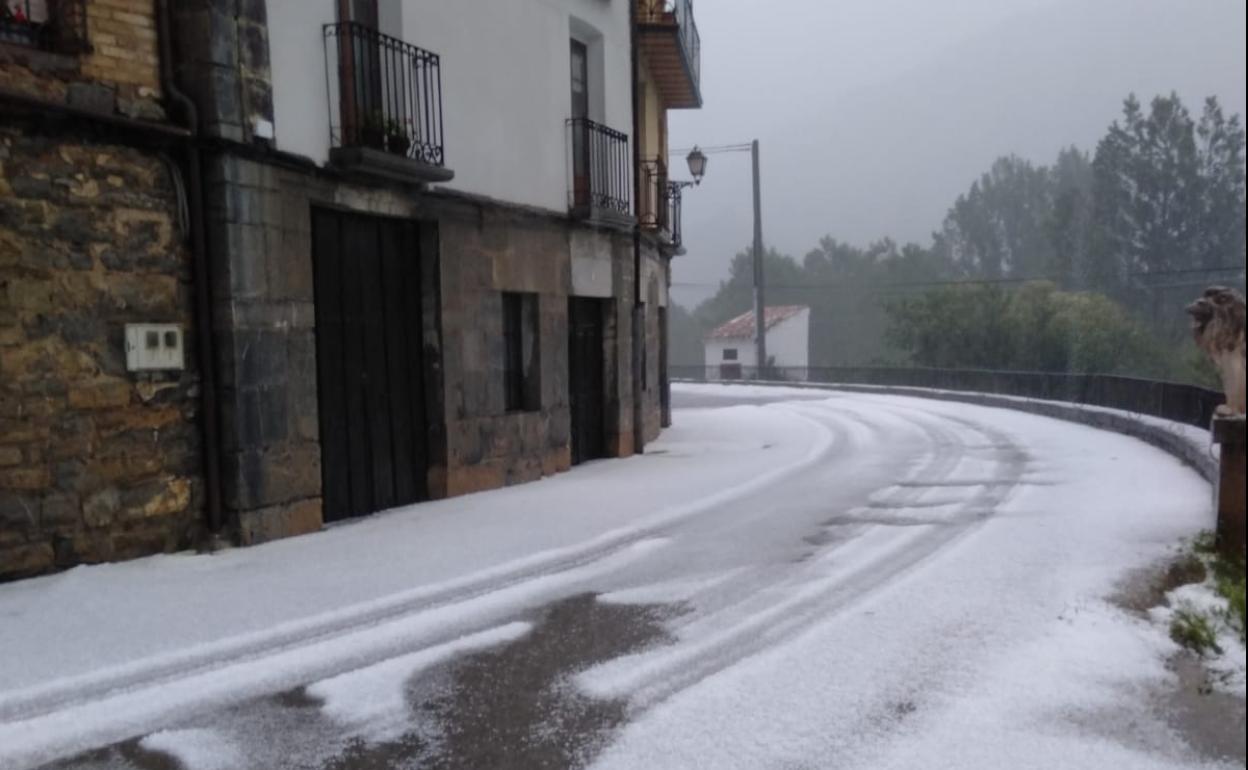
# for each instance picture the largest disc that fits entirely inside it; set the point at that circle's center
(653, 193)
(674, 194)
(599, 166)
(1188, 404)
(384, 94)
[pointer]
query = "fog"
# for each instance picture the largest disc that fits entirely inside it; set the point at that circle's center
(874, 115)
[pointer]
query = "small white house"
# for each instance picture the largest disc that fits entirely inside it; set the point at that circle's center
(730, 353)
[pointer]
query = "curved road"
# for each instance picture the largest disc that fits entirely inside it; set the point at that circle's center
(868, 610)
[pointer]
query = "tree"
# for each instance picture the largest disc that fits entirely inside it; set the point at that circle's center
(1036, 327)
(1168, 192)
(1070, 219)
(1220, 146)
(685, 338)
(782, 277)
(1000, 228)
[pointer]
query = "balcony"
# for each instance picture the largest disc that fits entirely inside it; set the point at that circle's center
(654, 194)
(385, 106)
(674, 192)
(660, 200)
(669, 39)
(598, 170)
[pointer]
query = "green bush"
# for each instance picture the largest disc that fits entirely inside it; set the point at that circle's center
(1035, 327)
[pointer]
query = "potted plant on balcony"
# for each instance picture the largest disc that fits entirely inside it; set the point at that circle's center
(398, 141)
(373, 130)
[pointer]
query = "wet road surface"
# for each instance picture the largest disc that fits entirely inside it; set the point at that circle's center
(899, 485)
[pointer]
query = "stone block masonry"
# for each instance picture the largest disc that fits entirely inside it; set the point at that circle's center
(118, 73)
(124, 48)
(95, 463)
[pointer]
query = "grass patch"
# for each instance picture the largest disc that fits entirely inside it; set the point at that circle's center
(1228, 582)
(1231, 588)
(1195, 631)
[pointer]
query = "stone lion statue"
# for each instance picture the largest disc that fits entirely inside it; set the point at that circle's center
(1218, 326)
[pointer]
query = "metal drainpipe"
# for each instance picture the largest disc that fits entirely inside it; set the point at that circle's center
(204, 340)
(638, 321)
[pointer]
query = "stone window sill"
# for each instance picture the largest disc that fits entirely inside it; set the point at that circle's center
(37, 60)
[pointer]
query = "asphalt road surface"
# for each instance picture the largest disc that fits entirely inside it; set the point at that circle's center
(821, 617)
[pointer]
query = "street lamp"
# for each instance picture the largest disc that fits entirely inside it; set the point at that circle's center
(697, 164)
(697, 167)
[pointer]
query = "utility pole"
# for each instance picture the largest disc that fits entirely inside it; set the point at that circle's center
(697, 167)
(760, 307)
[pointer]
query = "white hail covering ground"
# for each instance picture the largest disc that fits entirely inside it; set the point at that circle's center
(872, 582)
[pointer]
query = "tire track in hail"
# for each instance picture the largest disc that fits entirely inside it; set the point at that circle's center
(661, 674)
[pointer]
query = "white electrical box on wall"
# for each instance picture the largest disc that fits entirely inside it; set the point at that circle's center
(153, 347)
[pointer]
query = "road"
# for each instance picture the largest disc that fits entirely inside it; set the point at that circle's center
(932, 591)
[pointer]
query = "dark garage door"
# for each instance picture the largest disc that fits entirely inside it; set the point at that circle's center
(585, 378)
(369, 363)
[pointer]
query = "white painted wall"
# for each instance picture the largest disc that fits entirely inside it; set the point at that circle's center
(715, 355)
(788, 342)
(505, 83)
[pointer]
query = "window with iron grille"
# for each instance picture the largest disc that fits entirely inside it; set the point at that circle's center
(521, 369)
(58, 26)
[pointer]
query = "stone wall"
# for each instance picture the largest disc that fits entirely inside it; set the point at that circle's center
(124, 46)
(497, 251)
(119, 74)
(259, 243)
(654, 295)
(223, 63)
(95, 463)
(473, 250)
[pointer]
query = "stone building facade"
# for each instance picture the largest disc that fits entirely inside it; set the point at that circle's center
(96, 463)
(485, 378)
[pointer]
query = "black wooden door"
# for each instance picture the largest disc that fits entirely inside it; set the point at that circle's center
(585, 378)
(369, 363)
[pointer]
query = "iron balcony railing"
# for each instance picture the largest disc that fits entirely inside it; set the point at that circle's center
(654, 194)
(674, 192)
(660, 201)
(50, 25)
(1180, 402)
(680, 13)
(599, 169)
(384, 94)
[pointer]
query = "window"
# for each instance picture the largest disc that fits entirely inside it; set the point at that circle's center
(521, 381)
(730, 354)
(59, 27)
(23, 21)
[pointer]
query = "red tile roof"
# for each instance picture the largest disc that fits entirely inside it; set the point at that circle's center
(742, 327)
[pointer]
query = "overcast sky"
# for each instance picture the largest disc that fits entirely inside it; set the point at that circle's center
(873, 115)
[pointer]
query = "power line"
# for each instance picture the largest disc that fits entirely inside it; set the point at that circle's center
(1184, 271)
(849, 286)
(855, 286)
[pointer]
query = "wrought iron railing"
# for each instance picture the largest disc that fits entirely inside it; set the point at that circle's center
(49, 25)
(680, 13)
(1180, 402)
(674, 192)
(654, 192)
(598, 165)
(384, 93)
